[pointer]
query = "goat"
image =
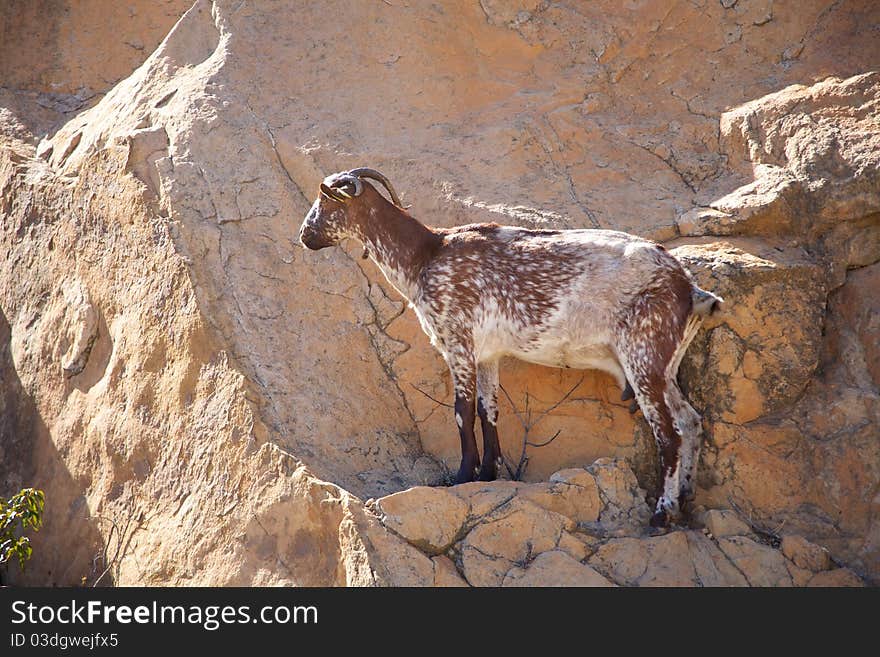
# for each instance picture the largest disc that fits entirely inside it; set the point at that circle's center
(586, 299)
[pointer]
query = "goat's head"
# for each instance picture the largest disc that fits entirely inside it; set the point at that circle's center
(340, 207)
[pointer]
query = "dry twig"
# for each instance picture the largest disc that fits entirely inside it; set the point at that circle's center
(437, 401)
(528, 423)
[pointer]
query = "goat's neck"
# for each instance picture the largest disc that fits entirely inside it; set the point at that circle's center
(399, 244)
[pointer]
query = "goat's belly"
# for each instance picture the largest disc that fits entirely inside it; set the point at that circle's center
(581, 357)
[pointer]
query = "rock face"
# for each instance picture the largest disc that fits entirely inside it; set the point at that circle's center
(65, 47)
(205, 403)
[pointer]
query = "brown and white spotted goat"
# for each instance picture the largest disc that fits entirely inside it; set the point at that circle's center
(565, 298)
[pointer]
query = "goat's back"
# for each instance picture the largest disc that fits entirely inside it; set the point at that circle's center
(507, 262)
(518, 280)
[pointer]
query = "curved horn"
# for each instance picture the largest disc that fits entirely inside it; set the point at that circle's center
(375, 175)
(336, 181)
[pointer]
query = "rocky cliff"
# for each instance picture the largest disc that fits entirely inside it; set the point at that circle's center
(203, 402)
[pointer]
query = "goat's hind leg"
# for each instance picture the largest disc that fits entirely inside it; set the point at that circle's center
(689, 426)
(487, 407)
(651, 398)
(646, 362)
(654, 333)
(687, 421)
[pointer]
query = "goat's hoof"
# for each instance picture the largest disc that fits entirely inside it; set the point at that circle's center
(465, 475)
(660, 519)
(487, 474)
(488, 468)
(628, 392)
(633, 408)
(462, 479)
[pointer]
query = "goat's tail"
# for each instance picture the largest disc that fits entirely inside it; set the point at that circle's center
(704, 303)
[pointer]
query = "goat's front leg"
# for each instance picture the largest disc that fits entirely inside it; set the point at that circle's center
(487, 407)
(463, 369)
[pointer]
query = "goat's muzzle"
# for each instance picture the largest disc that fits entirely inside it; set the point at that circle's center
(312, 240)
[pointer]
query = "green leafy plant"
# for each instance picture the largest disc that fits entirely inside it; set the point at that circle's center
(21, 511)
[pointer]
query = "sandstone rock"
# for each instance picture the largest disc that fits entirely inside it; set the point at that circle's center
(723, 522)
(623, 500)
(628, 562)
(429, 518)
(805, 151)
(483, 570)
(805, 554)
(517, 530)
(484, 497)
(857, 335)
(513, 533)
(578, 501)
(382, 558)
(799, 576)
(623, 560)
(82, 325)
(711, 566)
(573, 546)
(680, 558)
(554, 568)
(750, 368)
(836, 577)
(590, 542)
(81, 47)
(761, 565)
(765, 462)
(445, 573)
(574, 477)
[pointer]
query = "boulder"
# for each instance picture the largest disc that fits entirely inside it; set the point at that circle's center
(724, 522)
(623, 499)
(445, 573)
(514, 533)
(677, 559)
(804, 554)
(573, 493)
(554, 568)
(429, 518)
(760, 564)
(764, 347)
(836, 578)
